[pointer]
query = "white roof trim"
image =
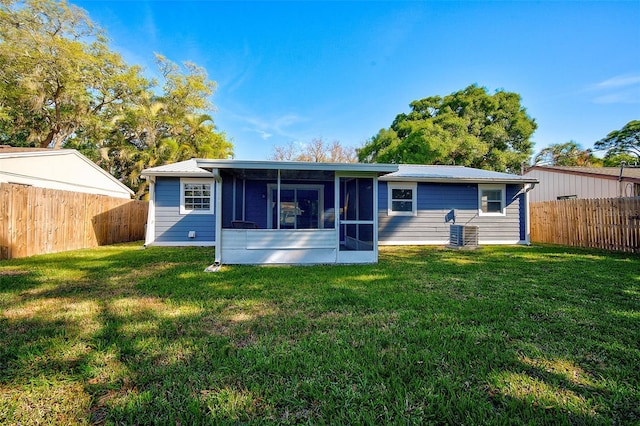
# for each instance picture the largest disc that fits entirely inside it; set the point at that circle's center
(452, 174)
(194, 167)
(297, 165)
(454, 179)
(188, 168)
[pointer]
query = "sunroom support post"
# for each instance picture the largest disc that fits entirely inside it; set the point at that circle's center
(278, 204)
(218, 217)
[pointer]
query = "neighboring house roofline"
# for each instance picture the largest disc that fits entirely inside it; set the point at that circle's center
(39, 152)
(609, 173)
(19, 175)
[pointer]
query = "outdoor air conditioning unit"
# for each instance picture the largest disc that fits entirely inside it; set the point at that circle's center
(461, 236)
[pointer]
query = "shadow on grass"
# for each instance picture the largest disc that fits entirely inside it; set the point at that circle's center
(498, 335)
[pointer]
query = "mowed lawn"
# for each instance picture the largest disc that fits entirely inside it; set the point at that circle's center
(500, 335)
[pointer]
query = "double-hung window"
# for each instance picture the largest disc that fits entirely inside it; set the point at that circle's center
(196, 196)
(491, 200)
(401, 199)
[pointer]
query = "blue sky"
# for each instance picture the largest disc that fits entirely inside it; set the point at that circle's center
(295, 71)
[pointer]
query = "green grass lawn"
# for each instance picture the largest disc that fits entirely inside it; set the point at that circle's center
(501, 335)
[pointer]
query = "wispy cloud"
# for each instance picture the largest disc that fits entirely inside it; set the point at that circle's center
(268, 127)
(618, 81)
(150, 27)
(264, 135)
(247, 62)
(621, 89)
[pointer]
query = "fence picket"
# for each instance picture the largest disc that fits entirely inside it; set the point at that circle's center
(610, 224)
(37, 220)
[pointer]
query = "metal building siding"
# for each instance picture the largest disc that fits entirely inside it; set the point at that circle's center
(553, 185)
(437, 203)
(171, 226)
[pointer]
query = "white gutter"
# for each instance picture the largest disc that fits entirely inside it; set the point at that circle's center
(150, 234)
(453, 179)
(295, 165)
(218, 243)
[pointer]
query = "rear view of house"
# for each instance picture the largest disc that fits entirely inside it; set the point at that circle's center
(418, 204)
(266, 212)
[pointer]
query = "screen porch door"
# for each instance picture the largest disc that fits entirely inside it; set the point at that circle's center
(358, 233)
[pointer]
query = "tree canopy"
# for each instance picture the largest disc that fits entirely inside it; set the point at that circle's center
(58, 74)
(163, 128)
(469, 128)
(62, 86)
(567, 154)
(316, 151)
(624, 141)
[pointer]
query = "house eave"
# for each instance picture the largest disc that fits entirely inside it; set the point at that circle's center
(455, 180)
(297, 165)
(203, 174)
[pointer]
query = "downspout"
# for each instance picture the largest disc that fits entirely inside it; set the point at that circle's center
(218, 243)
(527, 224)
(150, 234)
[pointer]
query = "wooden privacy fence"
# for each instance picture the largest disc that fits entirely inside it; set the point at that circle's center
(39, 220)
(610, 224)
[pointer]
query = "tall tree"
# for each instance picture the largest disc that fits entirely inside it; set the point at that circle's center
(61, 85)
(57, 73)
(165, 127)
(623, 141)
(567, 154)
(616, 160)
(469, 127)
(316, 151)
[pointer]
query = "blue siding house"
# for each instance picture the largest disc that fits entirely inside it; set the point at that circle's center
(417, 204)
(265, 212)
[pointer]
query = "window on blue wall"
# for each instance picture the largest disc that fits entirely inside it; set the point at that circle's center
(402, 199)
(196, 196)
(491, 200)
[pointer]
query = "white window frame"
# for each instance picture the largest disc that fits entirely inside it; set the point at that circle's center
(413, 186)
(210, 182)
(503, 199)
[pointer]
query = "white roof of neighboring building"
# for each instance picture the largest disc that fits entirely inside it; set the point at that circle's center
(422, 173)
(63, 169)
